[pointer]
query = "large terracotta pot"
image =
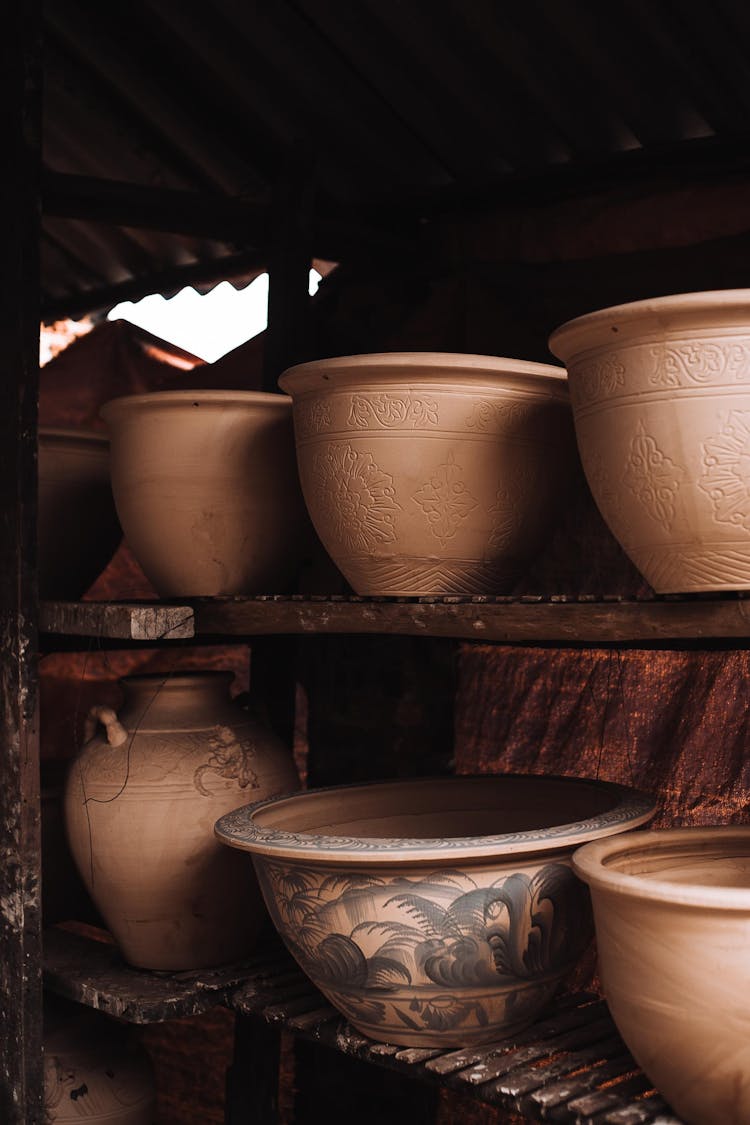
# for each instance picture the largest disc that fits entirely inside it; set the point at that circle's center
(206, 488)
(140, 805)
(429, 473)
(78, 529)
(661, 397)
(672, 914)
(433, 912)
(94, 1072)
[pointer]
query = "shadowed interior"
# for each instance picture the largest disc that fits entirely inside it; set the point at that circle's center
(706, 864)
(439, 809)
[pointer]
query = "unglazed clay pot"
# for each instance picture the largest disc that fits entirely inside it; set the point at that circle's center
(661, 397)
(140, 805)
(430, 473)
(94, 1072)
(672, 914)
(206, 488)
(438, 912)
(78, 529)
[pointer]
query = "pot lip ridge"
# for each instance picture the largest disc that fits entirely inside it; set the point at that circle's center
(239, 830)
(616, 325)
(124, 404)
(590, 863)
(419, 368)
(73, 435)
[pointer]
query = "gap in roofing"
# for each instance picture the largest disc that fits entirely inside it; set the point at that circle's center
(207, 324)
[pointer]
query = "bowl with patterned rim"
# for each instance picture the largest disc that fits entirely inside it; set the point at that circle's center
(672, 912)
(433, 912)
(429, 473)
(661, 399)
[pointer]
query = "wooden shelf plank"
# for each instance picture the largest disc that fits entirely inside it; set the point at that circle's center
(525, 620)
(118, 620)
(571, 1066)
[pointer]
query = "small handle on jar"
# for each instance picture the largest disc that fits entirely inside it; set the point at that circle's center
(116, 733)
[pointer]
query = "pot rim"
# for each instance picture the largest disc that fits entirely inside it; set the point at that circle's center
(124, 404)
(239, 830)
(655, 316)
(592, 863)
(422, 368)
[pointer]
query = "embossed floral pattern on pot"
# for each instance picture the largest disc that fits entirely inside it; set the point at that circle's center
(389, 411)
(653, 477)
(726, 476)
(445, 500)
(359, 496)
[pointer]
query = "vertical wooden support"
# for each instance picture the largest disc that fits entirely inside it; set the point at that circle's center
(253, 1078)
(20, 926)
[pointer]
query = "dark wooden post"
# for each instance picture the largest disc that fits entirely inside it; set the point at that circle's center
(20, 925)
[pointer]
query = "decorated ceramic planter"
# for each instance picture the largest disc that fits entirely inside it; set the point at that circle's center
(430, 473)
(78, 529)
(140, 804)
(672, 916)
(206, 487)
(661, 398)
(438, 912)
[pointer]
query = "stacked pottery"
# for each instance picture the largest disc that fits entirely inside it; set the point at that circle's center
(78, 530)
(433, 913)
(672, 914)
(431, 473)
(141, 800)
(206, 489)
(661, 400)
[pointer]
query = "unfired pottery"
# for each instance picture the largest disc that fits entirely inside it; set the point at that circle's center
(433, 912)
(94, 1072)
(206, 487)
(141, 801)
(661, 397)
(672, 914)
(430, 473)
(78, 529)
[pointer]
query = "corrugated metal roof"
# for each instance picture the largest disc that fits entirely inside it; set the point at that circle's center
(407, 106)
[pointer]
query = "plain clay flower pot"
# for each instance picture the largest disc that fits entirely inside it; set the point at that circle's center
(438, 912)
(78, 529)
(661, 399)
(206, 488)
(672, 913)
(431, 473)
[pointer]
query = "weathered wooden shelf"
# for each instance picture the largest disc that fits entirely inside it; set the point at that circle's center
(510, 620)
(570, 1067)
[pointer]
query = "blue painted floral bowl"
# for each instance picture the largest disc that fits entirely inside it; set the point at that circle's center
(434, 912)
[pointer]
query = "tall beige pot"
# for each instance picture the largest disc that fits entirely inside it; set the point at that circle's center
(661, 399)
(140, 804)
(206, 488)
(672, 914)
(431, 473)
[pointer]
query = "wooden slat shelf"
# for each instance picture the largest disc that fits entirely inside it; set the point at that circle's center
(570, 1067)
(510, 620)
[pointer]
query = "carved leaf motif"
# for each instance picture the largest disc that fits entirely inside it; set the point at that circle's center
(598, 379)
(390, 412)
(358, 496)
(312, 416)
(726, 475)
(653, 478)
(445, 500)
(506, 519)
(499, 415)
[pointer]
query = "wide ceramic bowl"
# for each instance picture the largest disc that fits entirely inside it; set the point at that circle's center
(206, 487)
(431, 473)
(672, 914)
(661, 399)
(439, 912)
(78, 529)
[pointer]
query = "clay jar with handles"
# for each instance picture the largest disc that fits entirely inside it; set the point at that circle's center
(140, 805)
